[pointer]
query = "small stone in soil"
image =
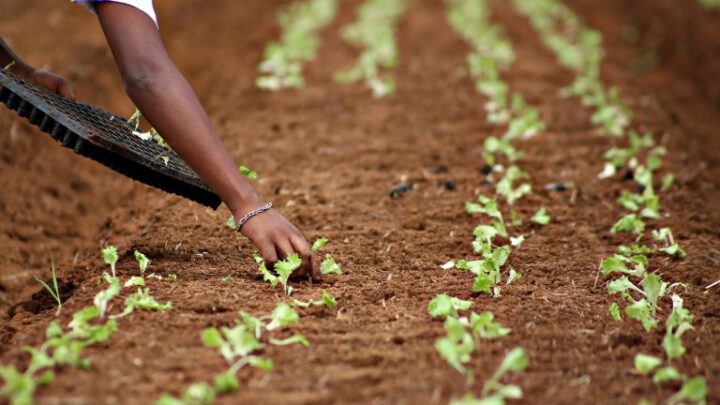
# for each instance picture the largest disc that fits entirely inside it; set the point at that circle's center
(448, 185)
(629, 175)
(440, 169)
(558, 187)
(401, 189)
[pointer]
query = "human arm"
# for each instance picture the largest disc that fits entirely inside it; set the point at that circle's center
(11, 61)
(167, 101)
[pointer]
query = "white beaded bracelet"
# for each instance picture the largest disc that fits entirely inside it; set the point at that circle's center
(251, 214)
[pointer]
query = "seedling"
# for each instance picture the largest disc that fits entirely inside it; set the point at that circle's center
(493, 390)
(678, 322)
(142, 299)
(483, 326)
(629, 223)
(329, 266)
(326, 300)
(541, 217)
(103, 297)
(54, 291)
(644, 309)
(445, 306)
(645, 364)
(110, 256)
(693, 390)
(319, 243)
(283, 268)
(457, 347)
(667, 374)
(143, 262)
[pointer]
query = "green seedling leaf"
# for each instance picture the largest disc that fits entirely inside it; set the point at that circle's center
(282, 316)
(484, 326)
(513, 276)
(143, 262)
(172, 277)
(329, 266)
(230, 223)
(444, 306)
(645, 364)
(212, 338)
(135, 281)
(667, 182)
(284, 269)
(674, 250)
(247, 172)
(199, 394)
(53, 330)
(319, 243)
(693, 390)
(328, 300)
(296, 339)
(225, 383)
(110, 256)
(19, 388)
(629, 223)
(54, 291)
(541, 217)
(666, 374)
(103, 297)
(143, 300)
(615, 312)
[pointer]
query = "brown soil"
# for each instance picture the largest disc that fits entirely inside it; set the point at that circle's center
(328, 156)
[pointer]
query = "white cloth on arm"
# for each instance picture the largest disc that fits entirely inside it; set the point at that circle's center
(146, 6)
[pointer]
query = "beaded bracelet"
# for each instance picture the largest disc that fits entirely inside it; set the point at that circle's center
(251, 214)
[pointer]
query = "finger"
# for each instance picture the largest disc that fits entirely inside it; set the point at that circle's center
(268, 253)
(301, 246)
(65, 89)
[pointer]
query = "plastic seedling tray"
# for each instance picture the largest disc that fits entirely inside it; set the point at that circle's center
(105, 138)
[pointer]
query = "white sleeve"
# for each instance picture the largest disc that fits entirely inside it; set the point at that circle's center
(146, 6)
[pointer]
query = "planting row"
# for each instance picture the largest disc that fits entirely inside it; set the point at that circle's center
(635, 279)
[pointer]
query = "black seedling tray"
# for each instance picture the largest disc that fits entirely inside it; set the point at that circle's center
(105, 138)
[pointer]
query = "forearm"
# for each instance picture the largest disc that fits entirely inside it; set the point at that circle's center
(168, 102)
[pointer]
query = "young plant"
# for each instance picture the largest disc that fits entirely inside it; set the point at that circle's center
(445, 306)
(143, 300)
(541, 217)
(678, 322)
(330, 266)
(326, 300)
(493, 390)
(54, 291)
(110, 256)
(143, 262)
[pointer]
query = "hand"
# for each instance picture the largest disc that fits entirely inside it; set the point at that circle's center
(277, 238)
(52, 82)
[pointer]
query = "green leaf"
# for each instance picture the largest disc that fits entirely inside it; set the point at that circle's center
(110, 256)
(295, 339)
(53, 330)
(673, 346)
(143, 262)
(667, 182)
(135, 281)
(199, 394)
(645, 364)
(629, 223)
(513, 276)
(666, 374)
(541, 217)
(282, 316)
(516, 360)
(103, 297)
(319, 243)
(484, 326)
(225, 383)
(444, 305)
(328, 300)
(211, 337)
(329, 266)
(674, 250)
(230, 223)
(284, 269)
(615, 311)
(247, 172)
(640, 310)
(693, 390)
(483, 283)
(261, 363)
